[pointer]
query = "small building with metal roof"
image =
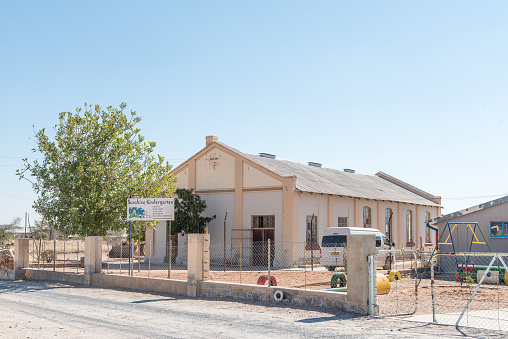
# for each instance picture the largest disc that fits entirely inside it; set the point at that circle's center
(471, 227)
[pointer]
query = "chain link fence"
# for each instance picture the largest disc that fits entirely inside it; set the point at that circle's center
(461, 289)
(267, 262)
(471, 289)
(145, 260)
(57, 255)
(395, 290)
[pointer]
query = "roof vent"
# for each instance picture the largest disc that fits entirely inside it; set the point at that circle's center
(315, 164)
(268, 155)
(349, 170)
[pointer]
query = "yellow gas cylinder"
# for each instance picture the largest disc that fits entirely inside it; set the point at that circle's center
(383, 284)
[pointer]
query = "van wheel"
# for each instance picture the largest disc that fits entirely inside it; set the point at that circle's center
(330, 268)
(388, 263)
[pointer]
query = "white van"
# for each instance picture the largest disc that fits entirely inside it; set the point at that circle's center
(335, 239)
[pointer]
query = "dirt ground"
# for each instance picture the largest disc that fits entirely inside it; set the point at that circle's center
(53, 310)
(450, 296)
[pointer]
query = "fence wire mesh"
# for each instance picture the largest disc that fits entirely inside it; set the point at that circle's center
(266, 262)
(395, 282)
(145, 260)
(462, 289)
(57, 255)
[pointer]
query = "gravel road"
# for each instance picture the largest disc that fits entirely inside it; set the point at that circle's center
(33, 309)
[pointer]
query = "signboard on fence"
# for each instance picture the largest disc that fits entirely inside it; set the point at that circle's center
(146, 209)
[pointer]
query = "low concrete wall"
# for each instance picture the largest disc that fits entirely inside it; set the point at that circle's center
(208, 289)
(292, 296)
(6, 274)
(72, 278)
(355, 300)
(12, 274)
(178, 287)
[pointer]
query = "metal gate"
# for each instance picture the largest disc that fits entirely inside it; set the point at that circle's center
(461, 289)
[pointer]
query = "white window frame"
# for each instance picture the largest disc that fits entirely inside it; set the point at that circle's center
(409, 227)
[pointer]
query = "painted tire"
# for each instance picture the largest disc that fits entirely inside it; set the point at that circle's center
(382, 284)
(278, 295)
(393, 275)
(338, 278)
(263, 278)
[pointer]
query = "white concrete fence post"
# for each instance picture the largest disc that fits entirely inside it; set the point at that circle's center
(359, 248)
(21, 253)
(93, 257)
(198, 261)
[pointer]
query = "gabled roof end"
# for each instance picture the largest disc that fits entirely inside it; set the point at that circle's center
(409, 187)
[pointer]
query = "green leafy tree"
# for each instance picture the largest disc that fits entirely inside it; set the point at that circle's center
(96, 161)
(188, 209)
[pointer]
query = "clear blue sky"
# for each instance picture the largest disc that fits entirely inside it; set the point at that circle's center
(418, 90)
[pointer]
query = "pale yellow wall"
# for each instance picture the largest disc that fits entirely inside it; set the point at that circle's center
(238, 192)
(183, 178)
(290, 210)
(218, 204)
(361, 203)
(159, 241)
(343, 207)
(395, 222)
(215, 170)
(433, 214)
(309, 204)
(254, 178)
(405, 208)
(263, 203)
(419, 223)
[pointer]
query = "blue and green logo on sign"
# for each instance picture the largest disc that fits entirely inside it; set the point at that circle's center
(137, 213)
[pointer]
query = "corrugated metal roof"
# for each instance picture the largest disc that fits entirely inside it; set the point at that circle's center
(336, 182)
(471, 209)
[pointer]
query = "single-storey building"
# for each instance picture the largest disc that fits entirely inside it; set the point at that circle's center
(291, 202)
(471, 226)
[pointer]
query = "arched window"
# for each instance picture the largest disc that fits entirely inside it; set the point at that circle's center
(388, 223)
(409, 226)
(367, 217)
(427, 230)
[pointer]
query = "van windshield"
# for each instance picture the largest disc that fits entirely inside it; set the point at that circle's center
(334, 241)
